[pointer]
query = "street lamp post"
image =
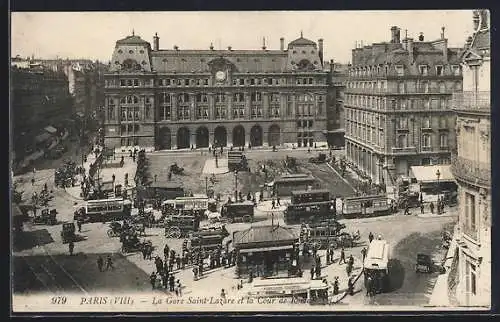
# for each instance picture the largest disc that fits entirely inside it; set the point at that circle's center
(438, 175)
(236, 185)
(206, 185)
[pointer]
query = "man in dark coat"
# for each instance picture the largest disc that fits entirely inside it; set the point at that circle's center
(171, 282)
(100, 263)
(350, 287)
(369, 286)
(363, 253)
(342, 256)
(152, 280)
(336, 286)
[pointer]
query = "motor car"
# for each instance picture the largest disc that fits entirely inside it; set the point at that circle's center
(424, 264)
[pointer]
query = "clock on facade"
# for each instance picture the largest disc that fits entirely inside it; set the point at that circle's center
(220, 76)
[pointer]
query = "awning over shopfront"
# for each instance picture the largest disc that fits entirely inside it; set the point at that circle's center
(42, 137)
(264, 249)
(51, 129)
(427, 173)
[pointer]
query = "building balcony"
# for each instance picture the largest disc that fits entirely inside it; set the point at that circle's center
(472, 171)
(472, 101)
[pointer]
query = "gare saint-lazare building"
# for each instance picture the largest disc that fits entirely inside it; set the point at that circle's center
(182, 98)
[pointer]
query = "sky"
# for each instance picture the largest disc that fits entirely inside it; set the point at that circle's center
(92, 35)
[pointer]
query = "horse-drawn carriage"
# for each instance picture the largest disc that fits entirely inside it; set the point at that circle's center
(206, 240)
(146, 217)
(408, 199)
(328, 233)
(116, 229)
(46, 217)
(321, 158)
(181, 224)
(131, 243)
(68, 232)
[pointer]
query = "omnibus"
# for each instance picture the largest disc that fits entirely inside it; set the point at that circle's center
(199, 203)
(376, 265)
(108, 209)
(366, 206)
(238, 211)
(284, 185)
(161, 191)
(309, 212)
(307, 196)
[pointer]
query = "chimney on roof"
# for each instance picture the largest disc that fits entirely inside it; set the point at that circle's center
(229, 48)
(211, 46)
(332, 65)
(442, 32)
(320, 50)
(421, 37)
(176, 47)
(156, 42)
(282, 43)
(395, 36)
(409, 47)
(263, 43)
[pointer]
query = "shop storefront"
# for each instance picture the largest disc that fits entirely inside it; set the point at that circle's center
(266, 251)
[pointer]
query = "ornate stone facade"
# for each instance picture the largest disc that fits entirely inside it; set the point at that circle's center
(174, 99)
(472, 168)
(397, 105)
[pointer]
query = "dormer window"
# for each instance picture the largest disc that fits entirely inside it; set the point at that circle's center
(294, 51)
(130, 51)
(455, 70)
(400, 70)
(439, 70)
(141, 51)
(424, 70)
(120, 51)
(303, 51)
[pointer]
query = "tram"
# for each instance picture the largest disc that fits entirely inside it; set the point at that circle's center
(376, 266)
